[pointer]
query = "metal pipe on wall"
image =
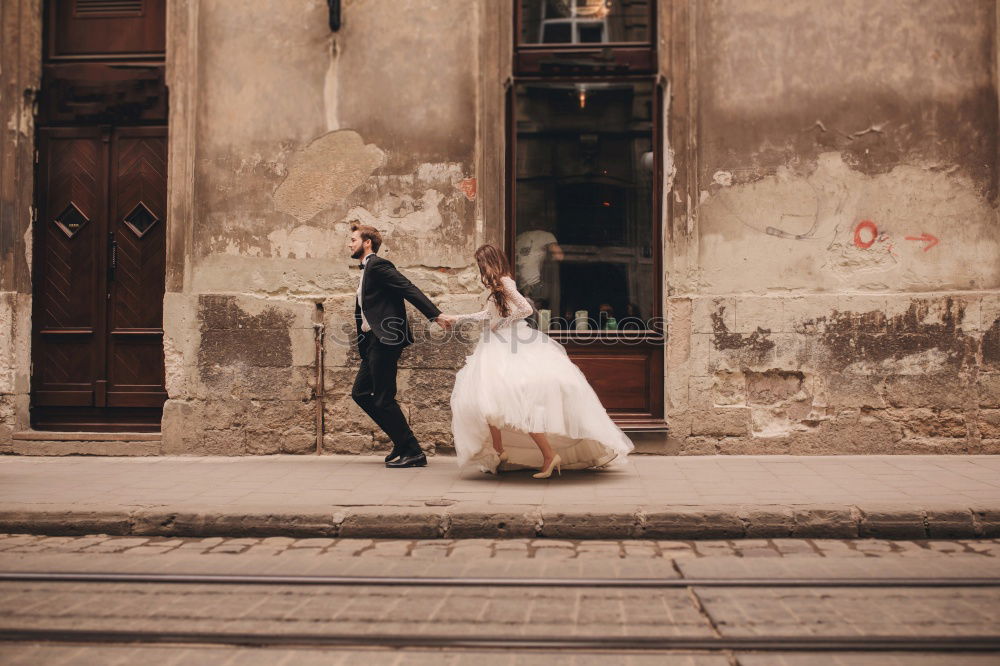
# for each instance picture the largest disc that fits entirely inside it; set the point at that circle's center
(319, 329)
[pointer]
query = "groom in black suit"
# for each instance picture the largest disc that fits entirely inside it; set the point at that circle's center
(383, 333)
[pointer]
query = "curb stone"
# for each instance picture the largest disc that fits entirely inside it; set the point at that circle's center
(954, 523)
(893, 522)
(590, 523)
(693, 523)
(159, 522)
(68, 521)
(511, 521)
(490, 522)
(826, 522)
(767, 522)
(987, 522)
(393, 523)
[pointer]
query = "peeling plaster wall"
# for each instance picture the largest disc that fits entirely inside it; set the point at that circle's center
(844, 294)
(299, 133)
(836, 229)
(20, 71)
(817, 118)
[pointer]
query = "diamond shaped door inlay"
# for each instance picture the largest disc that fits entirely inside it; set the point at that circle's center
(140, 219)
(71, 220)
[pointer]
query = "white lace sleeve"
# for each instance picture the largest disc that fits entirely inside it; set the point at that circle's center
(517, 304)
(482, 315)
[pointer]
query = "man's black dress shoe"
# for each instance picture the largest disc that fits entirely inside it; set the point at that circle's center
(393, 455)
(409, 460)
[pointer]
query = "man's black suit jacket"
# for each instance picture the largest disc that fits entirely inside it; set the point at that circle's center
(382, 294)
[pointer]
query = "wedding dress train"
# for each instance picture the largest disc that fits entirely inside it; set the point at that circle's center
(521, 381)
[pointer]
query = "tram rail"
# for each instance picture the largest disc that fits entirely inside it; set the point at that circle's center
(503, 581)
(953, 644)
(513, 643)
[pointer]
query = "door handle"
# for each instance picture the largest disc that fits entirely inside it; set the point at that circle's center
(113, 256)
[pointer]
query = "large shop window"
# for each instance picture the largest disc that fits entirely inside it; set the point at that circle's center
(583, 197)
(584, 243)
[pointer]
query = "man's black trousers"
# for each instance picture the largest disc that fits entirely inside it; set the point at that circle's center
(375, 391)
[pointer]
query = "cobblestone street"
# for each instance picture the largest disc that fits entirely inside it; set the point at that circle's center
(14, 547)
(701, 610)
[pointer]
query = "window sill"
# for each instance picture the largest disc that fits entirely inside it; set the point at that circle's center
(607, 337)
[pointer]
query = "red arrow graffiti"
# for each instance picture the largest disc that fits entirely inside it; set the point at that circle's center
(930, 240)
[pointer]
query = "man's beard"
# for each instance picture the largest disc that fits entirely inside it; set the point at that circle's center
(357, 254)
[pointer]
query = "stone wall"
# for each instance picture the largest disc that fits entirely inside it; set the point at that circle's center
(840, 289)
(20, 72)
(836, 374)
(299, 132)
(15, 334)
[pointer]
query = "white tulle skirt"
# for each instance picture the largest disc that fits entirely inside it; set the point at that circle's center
(521, 381)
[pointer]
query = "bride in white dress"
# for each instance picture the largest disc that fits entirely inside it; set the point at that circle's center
(519, 401)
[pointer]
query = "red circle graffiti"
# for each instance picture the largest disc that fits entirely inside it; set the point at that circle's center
(872, 229)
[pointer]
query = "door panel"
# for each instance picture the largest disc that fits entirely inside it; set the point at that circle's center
(101, 265)
(69, 308)
(136, 278)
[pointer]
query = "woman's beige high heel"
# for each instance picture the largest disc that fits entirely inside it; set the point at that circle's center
(503, 457)
(547, 472)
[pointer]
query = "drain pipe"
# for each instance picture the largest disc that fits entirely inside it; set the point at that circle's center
(319, 329)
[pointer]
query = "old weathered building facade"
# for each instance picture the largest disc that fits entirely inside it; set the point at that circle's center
(805, 195)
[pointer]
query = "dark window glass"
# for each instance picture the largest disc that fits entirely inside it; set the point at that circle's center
(591, 213)
(558, 33)
(583, 233)
(590, 33)
(584, 21)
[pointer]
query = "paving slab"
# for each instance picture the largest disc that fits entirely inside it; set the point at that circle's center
(959, 566)
(648, 497)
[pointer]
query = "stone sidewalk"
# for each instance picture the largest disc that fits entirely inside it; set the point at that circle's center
(650, 497)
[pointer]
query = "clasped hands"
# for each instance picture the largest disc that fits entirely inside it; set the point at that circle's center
(447, 322)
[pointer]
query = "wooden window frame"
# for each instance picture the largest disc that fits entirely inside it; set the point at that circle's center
(583, 59)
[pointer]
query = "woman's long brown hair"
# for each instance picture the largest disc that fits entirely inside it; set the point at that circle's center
(493, 266)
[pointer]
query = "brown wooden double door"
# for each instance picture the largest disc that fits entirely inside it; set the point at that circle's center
(99, 278)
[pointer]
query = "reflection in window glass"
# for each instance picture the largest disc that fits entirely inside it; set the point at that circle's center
(583, 245)
(584, 21)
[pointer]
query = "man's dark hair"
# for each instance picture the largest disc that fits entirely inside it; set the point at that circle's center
(368, 233)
